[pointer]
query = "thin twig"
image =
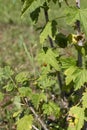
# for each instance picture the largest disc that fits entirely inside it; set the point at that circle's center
(34, 127)
(36, 115)
(52, 45)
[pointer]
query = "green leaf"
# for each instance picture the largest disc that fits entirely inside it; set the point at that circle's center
(7, 71)
(77, 114)
(69, 74)
(35, 14)
(15, 114)
(17, 102)
(49, 30)
(25, 91)
(1, 96)
(25, 123)
(37, 98)
(51, 109)
(72, 14)
(61, 40)
(67, 62)
(9, 87)
(78, 76)
(31, 5)
(22, 77)
(45, 82)
(26, 5)
(49, 58)
(84, 99)
(83, 19)
(46, 32)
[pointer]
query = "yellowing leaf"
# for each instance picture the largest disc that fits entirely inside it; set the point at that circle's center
(77, 114)
(25, 123)
(16, 113)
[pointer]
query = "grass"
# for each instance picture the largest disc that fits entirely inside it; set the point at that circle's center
(11, 45)
(14, 34)
(10, 11)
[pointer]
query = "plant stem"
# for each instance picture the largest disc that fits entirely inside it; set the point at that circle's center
(34, 127)
(51, 44)
(78, 32)
(47, 20)
(60, 81)
(80, 56)
(79, 59)
(38, 118)
(36, 115)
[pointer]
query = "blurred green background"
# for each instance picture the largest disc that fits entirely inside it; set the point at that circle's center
(16, 34)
